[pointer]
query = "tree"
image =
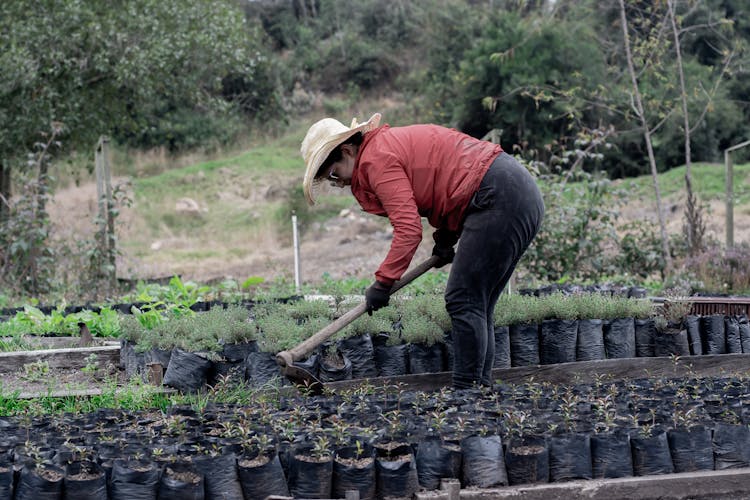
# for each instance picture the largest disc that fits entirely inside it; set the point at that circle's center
(82, 68)
(103, 69)
(694, 227)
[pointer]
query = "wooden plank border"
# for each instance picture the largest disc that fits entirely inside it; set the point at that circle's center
(580, 371)
(74, 357)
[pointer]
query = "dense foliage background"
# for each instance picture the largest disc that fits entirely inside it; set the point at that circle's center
(548, 80)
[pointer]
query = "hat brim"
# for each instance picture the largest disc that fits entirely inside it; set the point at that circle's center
(323, 150)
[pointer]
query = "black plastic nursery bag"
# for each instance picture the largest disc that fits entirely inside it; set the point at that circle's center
(619, 338)
(651, 454)
(590, 342)
(483, 464)
(693, 327)
(261, 368)
(502, 347)
(557, 342)
(437, 459)
(330, 371)
(310, 476)
(40, 483)
(569, 457)
(691, 449)
(527, 461)
(713, 335)
(645, 337)
(221, 476)
(134, 480)
(426, 359)
(85, 481)
(524, 344)
(610, 455)
(744, 329)
(672, 342)
(354, 469)
(262, 478)
(187, 371)
(390, 360)
(181, 481)
(731, 444)
(396, 472)
(359, 350)
(6, 480)
(732, 332)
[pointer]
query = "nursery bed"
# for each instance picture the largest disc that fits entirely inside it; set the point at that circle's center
(439, 434)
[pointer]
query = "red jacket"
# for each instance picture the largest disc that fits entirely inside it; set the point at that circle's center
(406, 173)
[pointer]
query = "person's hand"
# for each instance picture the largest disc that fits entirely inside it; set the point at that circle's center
(443, 249)
(377, 296)
(444, 254)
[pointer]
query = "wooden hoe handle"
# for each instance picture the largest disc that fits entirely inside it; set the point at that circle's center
(286, 358)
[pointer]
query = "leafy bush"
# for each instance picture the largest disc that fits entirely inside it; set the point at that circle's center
(579, 226)
(719, 270)
(640, 251)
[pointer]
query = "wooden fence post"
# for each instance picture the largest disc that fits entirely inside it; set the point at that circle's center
(729, 178)
(106, 216)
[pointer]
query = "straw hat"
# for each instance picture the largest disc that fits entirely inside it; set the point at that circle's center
(322, 138)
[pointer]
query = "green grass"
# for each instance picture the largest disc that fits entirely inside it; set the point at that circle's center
(709, 182)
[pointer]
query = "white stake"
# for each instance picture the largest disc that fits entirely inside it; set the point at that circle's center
(296, 254)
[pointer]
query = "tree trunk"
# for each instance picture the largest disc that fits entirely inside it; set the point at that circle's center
(647, 136)
(5, 191)
(42, 187)
(694, 228)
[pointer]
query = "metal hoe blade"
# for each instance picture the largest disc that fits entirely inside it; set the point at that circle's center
(303, 379)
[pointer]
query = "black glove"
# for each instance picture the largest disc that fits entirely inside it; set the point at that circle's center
(377, 296)
(444, 253)
(443, 249)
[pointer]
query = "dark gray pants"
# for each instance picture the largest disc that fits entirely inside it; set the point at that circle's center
(502, 220)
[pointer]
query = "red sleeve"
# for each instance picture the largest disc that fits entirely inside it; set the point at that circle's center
(393, 189)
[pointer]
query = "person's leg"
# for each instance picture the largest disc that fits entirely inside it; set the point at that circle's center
(503, 219)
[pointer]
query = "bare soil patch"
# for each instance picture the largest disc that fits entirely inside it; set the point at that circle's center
(59, 380)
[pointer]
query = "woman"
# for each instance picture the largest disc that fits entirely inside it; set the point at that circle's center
(464, 187)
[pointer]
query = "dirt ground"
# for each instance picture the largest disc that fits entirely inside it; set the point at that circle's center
(350, 245)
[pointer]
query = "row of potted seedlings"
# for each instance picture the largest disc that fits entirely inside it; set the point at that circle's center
(413, 336)
(382, 442)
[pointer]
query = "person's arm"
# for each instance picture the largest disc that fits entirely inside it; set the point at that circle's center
(394, 191)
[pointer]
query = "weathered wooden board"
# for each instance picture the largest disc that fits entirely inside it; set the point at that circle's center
(703, 485)
(61, 358)
(57, 342)
(581, 371)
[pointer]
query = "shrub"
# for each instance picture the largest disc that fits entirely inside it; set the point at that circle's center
(578, 228)
(515, 309)
(366, 324)
(719, 270)
(559, 306)
(640, 252)
(417, 327)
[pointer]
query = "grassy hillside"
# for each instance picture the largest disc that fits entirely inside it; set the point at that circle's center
(709, 182)
(231, 215)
